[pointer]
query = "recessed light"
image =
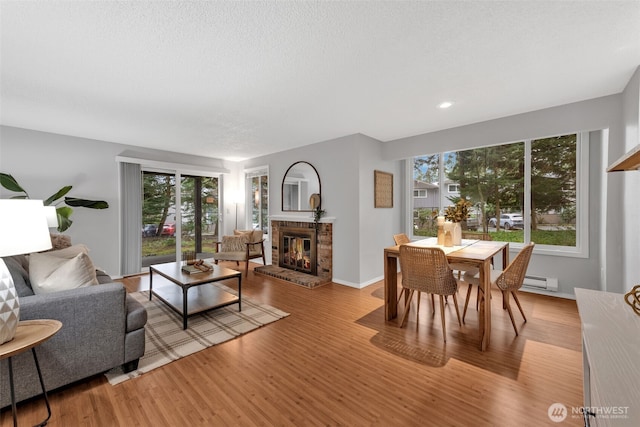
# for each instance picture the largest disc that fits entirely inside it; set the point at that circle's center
(445, 104)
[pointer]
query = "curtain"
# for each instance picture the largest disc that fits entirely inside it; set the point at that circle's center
(131, 218)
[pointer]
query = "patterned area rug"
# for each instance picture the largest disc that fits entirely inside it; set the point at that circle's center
(166, 341)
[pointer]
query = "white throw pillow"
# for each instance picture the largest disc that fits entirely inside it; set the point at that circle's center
(49, 273)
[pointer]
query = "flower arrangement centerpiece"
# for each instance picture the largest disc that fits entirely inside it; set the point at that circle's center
(458, 212)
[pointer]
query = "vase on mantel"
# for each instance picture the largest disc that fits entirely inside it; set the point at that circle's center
(457, 234)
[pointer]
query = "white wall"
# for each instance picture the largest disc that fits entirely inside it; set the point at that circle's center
(360, 232)
(631, 208)
(595, 114)
(44, 162)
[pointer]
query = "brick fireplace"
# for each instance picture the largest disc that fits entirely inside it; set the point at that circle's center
(297, 249)
(292, 244)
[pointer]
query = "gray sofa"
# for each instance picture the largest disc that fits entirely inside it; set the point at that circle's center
(102, 328)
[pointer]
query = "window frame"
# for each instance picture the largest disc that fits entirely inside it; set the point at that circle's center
(581, 249)
(248, 175)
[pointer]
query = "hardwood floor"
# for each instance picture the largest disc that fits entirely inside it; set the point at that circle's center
(335, 361)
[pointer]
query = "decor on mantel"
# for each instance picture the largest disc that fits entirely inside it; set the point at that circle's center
(383, 189)
(23, 229)
(455, 215)
(633, 299)
(299, 185)
(317, 215)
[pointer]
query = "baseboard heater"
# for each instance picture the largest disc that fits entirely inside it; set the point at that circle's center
(541, 283)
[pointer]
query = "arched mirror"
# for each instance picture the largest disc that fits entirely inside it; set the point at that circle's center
(300, 183)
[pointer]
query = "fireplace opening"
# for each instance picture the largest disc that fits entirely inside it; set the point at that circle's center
(297, 250)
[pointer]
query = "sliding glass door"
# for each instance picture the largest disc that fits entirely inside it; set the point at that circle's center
(166, 230)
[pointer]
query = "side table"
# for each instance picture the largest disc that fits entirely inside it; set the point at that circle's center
(29, 335)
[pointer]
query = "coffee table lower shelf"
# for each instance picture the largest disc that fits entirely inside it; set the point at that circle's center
(198, 300)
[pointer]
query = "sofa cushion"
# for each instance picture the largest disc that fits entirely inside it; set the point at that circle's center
(18, 270)
(49, 273)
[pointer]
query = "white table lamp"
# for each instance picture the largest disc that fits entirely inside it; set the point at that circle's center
(23, 229)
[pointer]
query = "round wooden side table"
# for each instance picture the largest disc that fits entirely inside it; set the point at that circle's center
(29, 335)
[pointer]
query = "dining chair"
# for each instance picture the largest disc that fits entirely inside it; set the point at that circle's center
(401, 239)
(425, 269)
(509, 281)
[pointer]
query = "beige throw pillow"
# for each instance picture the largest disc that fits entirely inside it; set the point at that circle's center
(49, 273)
(69, 252)
(236, 243)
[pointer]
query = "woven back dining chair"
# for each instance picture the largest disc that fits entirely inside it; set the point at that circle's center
(509, 281)
(401, 239)
(425, 269)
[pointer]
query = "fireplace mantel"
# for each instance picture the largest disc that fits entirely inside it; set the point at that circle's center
(325, 219)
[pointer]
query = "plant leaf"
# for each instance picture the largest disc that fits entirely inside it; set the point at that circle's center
(84, 203)
(61, 192)
(10, 183)
(64, 218)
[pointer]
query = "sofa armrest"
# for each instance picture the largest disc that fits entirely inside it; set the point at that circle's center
(93, 326)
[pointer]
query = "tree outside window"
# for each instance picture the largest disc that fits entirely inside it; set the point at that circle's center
(493, 180)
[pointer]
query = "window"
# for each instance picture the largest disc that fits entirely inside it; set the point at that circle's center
(420, 193)
(257, 190)
(521, 192)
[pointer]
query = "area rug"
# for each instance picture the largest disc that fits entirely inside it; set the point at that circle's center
(166, 341)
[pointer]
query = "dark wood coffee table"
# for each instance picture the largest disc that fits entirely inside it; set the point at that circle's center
(174, 290)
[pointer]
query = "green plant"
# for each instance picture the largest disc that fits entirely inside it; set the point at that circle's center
(318, 214)
(63, 212)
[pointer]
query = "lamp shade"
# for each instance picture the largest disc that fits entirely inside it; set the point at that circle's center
(52, 216)
(23, 227)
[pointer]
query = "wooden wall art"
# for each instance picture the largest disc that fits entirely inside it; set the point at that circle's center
(383, 188)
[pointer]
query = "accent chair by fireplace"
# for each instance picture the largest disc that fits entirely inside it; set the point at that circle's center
(242, 246)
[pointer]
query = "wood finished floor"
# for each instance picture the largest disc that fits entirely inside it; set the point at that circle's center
(335, 361)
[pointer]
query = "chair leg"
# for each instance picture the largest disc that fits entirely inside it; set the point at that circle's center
(466, 302)
(400, 296)
(418, 307)
(505, 302)
(406, 309)
(515, 297)
(444, 325)
(433, 304)
(455, 302)
(246, 268)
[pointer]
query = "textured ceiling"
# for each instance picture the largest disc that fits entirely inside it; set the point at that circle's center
(243, 79)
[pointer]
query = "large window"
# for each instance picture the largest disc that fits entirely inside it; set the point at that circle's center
(520, 192)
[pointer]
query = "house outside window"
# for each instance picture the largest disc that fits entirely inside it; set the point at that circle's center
(506, 181)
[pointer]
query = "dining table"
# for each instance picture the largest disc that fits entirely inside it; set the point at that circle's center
(477, 253)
